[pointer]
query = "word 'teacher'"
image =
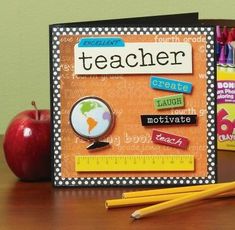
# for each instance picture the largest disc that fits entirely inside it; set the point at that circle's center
(134, 58)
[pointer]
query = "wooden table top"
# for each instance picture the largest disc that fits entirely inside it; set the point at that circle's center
(40, 206)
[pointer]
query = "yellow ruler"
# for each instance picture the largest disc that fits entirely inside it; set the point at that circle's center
(122, 163)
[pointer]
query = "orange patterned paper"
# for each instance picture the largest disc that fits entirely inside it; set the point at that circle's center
(131, 96)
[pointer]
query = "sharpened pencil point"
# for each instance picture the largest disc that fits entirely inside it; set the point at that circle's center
(135, 215)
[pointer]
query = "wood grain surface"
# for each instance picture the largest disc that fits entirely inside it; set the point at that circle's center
(40, 206)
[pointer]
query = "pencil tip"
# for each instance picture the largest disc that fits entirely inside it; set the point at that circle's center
(135, 216)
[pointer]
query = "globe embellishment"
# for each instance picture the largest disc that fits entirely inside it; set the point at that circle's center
(92, 119)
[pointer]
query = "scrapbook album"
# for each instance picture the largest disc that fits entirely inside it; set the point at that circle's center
(133, 102)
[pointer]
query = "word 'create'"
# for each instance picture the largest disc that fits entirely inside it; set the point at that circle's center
(159, 137)
(170, 85)
(134, 57)
(150, 120)
(171, 101)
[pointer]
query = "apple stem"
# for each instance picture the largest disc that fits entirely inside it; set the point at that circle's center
(33, 103)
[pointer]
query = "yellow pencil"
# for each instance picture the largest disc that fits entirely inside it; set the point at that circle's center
(117, 203)
(154, 192)
(183, 200)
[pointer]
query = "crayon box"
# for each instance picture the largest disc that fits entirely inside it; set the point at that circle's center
(226, 108)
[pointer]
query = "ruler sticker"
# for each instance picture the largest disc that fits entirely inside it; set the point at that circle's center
(122, 163)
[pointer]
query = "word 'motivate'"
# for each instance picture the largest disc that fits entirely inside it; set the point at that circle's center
(148, 120)
(170, 85)
(134, 57)
(170, 101)
(162, 138)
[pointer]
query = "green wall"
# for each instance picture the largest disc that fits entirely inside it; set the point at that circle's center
(24, 74)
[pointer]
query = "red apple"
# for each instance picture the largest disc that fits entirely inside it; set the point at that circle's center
(27, 145)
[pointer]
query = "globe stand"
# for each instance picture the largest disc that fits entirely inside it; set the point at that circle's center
(97, 145)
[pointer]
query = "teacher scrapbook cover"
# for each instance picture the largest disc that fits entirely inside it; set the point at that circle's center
(133, 105)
